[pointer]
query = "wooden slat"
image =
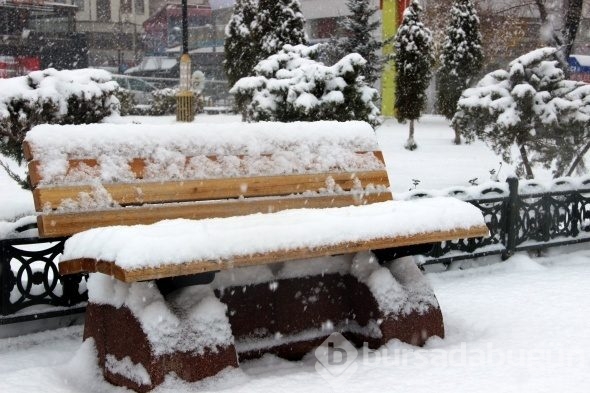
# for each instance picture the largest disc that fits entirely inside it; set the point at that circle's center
(136, 165)
(27, 152)
(199, 190)
(34, 173)
(55, 224)
(379, 155)
(110, 267)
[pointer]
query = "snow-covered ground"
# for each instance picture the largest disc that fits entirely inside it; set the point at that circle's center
(518, 326)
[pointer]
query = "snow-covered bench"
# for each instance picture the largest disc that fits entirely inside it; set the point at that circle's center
(105, 175)
(288, 276)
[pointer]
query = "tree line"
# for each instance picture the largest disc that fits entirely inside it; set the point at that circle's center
(269, 84)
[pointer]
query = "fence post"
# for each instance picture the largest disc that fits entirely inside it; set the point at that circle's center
(511, 220)
(4, 284)
(576, 199)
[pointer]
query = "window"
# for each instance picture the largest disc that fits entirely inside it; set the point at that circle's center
(139, 7)
(103, 10)
(126, 6)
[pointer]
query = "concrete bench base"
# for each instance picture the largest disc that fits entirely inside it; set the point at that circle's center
(288, 318)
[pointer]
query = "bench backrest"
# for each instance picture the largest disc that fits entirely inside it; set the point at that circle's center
(88, 176)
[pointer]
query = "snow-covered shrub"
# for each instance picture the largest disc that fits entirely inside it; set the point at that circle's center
(164, 102)
(530, 105)
(51, 96)
(293, 86)
(126, 101)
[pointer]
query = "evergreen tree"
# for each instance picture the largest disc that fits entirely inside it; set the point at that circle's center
(241, 50)
(461, 58)
(278, 22)
(292, 86)
(359, 37)
(413, 59)
(256, 30)
(530, 105)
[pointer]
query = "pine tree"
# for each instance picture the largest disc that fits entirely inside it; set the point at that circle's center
(256, 30)
(360, 37)
(532, 106)
(461, 58)
(292, 86)
(279, 22)
(241, 49)
(413, 60)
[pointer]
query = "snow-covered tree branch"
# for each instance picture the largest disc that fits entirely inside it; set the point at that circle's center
(530, 105)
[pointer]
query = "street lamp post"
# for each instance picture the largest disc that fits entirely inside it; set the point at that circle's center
(185, 100)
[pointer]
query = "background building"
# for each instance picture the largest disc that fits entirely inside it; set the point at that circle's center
(39, 34)
(113, 29)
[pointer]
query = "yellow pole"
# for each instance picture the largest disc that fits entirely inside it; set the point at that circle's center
(389, 28)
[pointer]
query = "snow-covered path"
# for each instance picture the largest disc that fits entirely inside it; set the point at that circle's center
(518, 326)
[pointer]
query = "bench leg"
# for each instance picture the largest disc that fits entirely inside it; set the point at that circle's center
(370, 304)
(293, 316)
(127, 352)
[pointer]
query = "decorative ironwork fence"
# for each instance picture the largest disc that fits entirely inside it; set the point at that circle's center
(30, 285)
(31, 288)
(520, 222)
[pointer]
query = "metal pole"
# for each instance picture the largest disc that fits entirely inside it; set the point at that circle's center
(511, 218)
(184, 27)
(185, 100)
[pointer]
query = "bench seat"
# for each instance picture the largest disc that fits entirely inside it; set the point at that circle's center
(182, 247)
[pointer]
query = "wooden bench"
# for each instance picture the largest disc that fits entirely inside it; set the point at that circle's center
(104, 175)
(322, 189)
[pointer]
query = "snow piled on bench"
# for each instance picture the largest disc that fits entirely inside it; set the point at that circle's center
(185, 150)
(193, 320)
(179, 241)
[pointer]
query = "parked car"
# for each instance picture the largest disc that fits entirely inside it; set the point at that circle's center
(141, 89)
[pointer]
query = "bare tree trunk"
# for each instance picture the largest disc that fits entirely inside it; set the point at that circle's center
(410, 143)
(571, 23)
(457, 140)
(526, 162)
(579, 159)
(555, 39)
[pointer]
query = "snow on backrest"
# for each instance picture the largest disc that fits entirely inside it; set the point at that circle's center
(201, 151)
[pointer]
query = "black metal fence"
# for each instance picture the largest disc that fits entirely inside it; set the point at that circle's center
(520, 222)
(31, 288)
(30, 285)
